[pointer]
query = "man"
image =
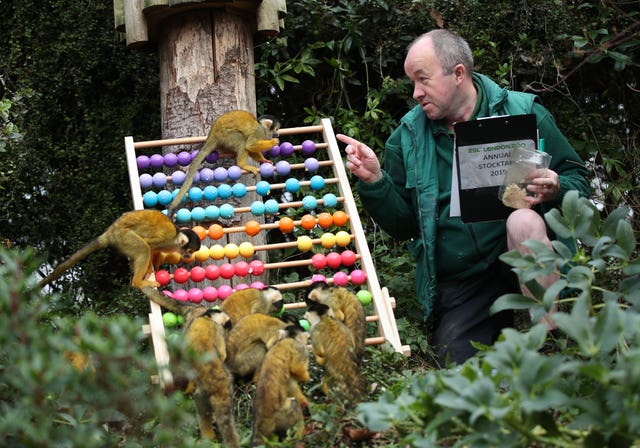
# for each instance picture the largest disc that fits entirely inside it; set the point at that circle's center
(458, 274)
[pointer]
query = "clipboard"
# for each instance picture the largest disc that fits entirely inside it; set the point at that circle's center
(482, 150)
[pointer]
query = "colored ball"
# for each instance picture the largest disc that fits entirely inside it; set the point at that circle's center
(330, 200)
(239, 190)
(358, 277)
(266, 169)
(212, 157)
(305, 243)
(257, 208)
(340, 279)
(143, 162)
(216, 252)
(286, 224)
(195, 295)
(210, 294)
(181, 275)
(161, 258)
(146, 180)
(170, 159)
(227, 211)
(225, 191)
(215, 231)
(234, 172)
(318, 278)
(178, 177)
(202, 254)
(283, 168)
(210, 193)
(183, 215)
(308, 147)
(340, 218)
(343, 238)
(286, 149)
(308, 222)
(198, 214)
(156, 160)
(334, 260)
(317, 182)
(200, 231)
(212, 272)
(247, 250)
(348, 257)
(224, 291)
(197, 273)
(174, 258)
(364, 296)
(256, 267)
(150, 199)
(252, 227)
(181, 295)
(164, 197)
(231, 251)
(319, 261)
(292, 185)
(271, 207)
(169, 319)
(241, 286)
(241, 268)
(257, 285)
(163, 277)
(220, 174)
(274, 151)
(304, 323)
(227, 271)
(206, 175)
(212, 212)
(311, 164)
(325, 220)
(263, 188)
(328, 240)
(309, 203)
(184, 158)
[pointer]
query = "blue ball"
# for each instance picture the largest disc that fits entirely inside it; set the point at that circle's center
(206, 175)
(195, 194)
(224, 191)
(234, 172)
(183, 215)
(146, 181)
(164, 197)
(150, 199)
(159, 180)
(220, 174)
(263, 188)
(329, 200)
(309, 203)
(178, 177)
(283, 168)
(212, 212)
(292, 185)
(257, 208)
(210, 193)
(266, 169)
(239, 190)
(271, 207)
(198, 214)
(226, 211)
(317, 182)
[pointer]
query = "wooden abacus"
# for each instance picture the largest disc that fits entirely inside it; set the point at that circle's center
(382, 303)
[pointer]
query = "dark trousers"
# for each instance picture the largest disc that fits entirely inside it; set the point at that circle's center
(461, 313)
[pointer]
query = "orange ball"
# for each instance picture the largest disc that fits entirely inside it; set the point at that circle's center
(215, 231)
(325, 220)
(201, 231)
(308, 222)
(252, 228)
(286, 224)
(340, 218)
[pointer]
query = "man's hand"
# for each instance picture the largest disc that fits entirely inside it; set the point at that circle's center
(361, 160)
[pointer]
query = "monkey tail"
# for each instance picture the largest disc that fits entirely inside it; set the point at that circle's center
(99, 243)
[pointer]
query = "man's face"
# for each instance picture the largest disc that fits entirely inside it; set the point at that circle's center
(433, 90)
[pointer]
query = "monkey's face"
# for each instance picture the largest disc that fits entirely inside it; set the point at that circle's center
(271, 125)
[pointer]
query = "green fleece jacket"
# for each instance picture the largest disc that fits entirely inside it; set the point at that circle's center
(411, 201)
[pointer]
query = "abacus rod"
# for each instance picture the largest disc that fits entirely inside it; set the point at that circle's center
(267, 226)
(134, 178)
(283, 205)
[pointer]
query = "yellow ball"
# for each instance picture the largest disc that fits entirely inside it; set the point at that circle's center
(216, 252)
(246, 249)
(174, 257)
(343, 238)
(202, 254)
(328, 240)
(231, 250)
(305, 243)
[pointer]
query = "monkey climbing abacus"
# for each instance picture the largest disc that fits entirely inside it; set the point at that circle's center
(329, 230)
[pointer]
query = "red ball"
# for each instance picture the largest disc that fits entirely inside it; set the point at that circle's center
(358, 277)
(210, 294)
(319, 261)
(195, 295)
(181, 275)
(334, 260)
(224, 291)
(163, 277)
(256, 267)
(241, 269)
(212, 272)
(348, 257)
(197, 273)
(340, 279)
(181, 295)
(227, 271)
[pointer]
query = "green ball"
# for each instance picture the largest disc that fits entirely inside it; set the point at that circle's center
(169, 319)
(304, 323)
(364, 296)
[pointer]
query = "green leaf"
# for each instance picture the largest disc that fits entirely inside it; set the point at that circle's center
(512, 302)
(625, 237)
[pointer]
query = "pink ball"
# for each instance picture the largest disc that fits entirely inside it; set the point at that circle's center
(167, 293)
(334, 260)
(241, 286)
(227, 271)
(257, 285)
(348, 257)
(358, 277)
(195, 295)
(181, 295)
(256, 267)
(340, 279)
(163, 277)
(197, 273)
(318, 278)
(212, 272)
(210, 294)
(319, 261)
(224, 291)
(181, 275)
(241, 269)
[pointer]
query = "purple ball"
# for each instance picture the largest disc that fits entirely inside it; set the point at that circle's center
(184, 158)
(311, 164)
(178, 177)
(212, 157)
(143, 162)
(220, 174)
(283, 168)
(266, 169)
(146, 180)
(286, 149)
(308, 147)
(170, 159)
(156, 160)
(159, 180)
(273, 152)
(206, 175)
(234, 172)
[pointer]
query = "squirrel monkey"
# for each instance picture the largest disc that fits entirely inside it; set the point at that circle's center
(238, 132)
(334, 348)
(279, 402)
(251, 300)
(346, 307)
(139, 235)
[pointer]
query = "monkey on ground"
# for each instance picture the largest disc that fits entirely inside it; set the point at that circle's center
(251, 300)
(139, 235)
(346, 307)
(334, 348)
(204, 332)
(248, 341)
(238, 132)
(279, 402)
